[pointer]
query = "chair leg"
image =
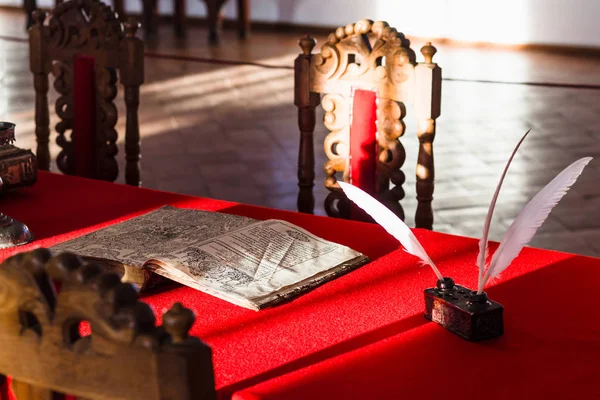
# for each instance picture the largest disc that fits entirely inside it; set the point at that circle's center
(306, 159)
(149, 16)
(42, 121)
(29, 6)
(180, 18)
(213, 9)
(132, 136)
(425, 174)
(119, 9)
(243, 7)
(306, 101)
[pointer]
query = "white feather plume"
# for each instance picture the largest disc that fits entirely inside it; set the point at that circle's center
(390, 222)
(531, 218)
(483, 243)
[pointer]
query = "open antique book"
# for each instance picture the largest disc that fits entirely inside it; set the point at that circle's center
(254, 264)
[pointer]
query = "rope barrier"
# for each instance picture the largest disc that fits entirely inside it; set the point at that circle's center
(161, 56)
(14, 39)
(541, 84)
(204, 60)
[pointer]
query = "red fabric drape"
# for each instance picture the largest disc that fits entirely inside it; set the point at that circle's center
(84, 111)
(363, 146)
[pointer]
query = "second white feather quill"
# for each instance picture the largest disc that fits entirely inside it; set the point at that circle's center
(531, 218)
(390, 222)
(483, 243)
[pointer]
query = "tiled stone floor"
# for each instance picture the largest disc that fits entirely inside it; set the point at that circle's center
(230, 132)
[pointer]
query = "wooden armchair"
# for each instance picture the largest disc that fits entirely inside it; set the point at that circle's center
(43, 301)
(367, 55)
(87, 28)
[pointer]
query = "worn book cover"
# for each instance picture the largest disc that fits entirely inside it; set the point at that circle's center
(251, 263)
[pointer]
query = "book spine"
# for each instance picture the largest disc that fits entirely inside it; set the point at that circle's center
(152, 280)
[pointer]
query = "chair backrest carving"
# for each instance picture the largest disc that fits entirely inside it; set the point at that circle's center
(44, 299)
(90, 28)
(373, 56)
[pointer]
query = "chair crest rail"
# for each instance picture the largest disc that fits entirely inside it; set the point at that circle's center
(44, 300)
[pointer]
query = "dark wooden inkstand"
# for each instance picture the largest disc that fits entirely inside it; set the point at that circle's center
(17, 166)
(17, 169)
(462, 311)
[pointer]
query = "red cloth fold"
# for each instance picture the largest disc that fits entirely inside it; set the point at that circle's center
(84, 115)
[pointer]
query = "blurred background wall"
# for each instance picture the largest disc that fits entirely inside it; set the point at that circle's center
(551, 22)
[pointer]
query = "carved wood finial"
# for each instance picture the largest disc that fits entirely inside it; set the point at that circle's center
(428, 52)
(131, 26)
(39, 17)
(178, 321)
(307, 43)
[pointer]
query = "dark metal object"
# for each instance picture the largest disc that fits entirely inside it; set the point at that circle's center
(13, 232)
(463, 312)
(7, 133)
(18, 168)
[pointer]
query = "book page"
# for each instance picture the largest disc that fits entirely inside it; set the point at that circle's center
(159, 233)
(248, 262)
(253, 265)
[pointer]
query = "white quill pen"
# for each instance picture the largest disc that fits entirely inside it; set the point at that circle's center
(530, 219)
(483, 243)
(390, 222)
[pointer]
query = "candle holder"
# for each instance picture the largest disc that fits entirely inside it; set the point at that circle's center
(18, 168)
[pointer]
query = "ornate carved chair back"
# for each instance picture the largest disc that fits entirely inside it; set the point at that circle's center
(44, 299)
(87, 28)
(374, 56)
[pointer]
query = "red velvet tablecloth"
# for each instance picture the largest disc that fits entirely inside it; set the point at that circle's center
(362, 335)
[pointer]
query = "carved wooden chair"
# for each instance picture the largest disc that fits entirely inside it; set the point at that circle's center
(213, 17)
(87, 28)
(44, 299)
(367, 55)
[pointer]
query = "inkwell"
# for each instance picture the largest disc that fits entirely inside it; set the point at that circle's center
(465, 312)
